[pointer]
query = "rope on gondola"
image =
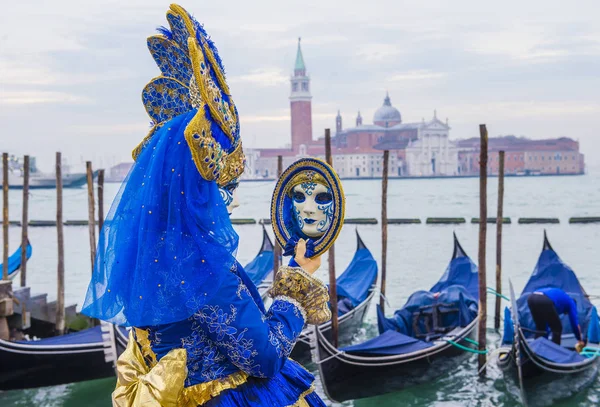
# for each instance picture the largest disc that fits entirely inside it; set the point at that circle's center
(491, 357)
(339, 352)
(467, 349)
(497, 294)
(385, 299)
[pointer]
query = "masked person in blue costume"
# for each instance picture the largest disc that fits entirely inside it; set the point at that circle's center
(166, 263)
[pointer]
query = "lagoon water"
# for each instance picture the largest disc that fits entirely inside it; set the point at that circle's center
(417, 256)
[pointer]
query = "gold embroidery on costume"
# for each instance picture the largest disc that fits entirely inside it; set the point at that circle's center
(309, 291)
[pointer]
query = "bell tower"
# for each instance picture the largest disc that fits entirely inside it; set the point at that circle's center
(300, 104)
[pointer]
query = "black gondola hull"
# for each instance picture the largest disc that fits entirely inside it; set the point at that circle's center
(30, 366)
(539, 382)
(346, 378)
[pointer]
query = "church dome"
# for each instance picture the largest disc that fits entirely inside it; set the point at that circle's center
(387, 115)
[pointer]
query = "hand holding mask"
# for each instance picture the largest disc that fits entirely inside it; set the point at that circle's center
(309, 265)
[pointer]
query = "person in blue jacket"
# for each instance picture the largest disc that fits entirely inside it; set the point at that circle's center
(546, 306)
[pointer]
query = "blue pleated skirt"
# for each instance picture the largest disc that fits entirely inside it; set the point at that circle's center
(292, 385)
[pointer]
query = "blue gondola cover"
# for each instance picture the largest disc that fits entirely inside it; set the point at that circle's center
(14, 261)
(456, 290)
(461, 271)
(593, 333)
(553, 352)
(388, 343)
(358, 278)
(551, 271)
(260, 267)
(454, 297)
(90, 335)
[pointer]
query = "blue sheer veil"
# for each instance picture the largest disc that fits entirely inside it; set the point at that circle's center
(167, 242)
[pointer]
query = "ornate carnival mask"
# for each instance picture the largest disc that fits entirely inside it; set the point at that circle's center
(308, 203)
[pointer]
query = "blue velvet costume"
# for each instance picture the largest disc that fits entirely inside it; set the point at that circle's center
(166, 264)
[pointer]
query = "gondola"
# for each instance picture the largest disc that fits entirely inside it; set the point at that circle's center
(14, 261)
(541, 370)
(85, 355)
(355, 289)
(414, 346)
(260, 269)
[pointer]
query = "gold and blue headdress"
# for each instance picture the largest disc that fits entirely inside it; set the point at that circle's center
(193, 77)
(167, 243)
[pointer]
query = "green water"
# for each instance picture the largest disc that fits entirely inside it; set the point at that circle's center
(94, 393)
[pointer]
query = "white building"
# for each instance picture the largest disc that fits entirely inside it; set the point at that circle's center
(432, 153)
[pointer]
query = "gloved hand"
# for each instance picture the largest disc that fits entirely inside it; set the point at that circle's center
(579, 347)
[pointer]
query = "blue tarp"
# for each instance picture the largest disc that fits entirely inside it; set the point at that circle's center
(453, 297)
(461, 271)
(260, 267)
(553, 352)
(551, 271)
(14, 261)
(593, 333)
(388, 343)
(458, 289)
(90, 335)
(360, 275)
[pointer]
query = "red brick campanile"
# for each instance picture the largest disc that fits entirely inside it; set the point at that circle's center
(300, 104)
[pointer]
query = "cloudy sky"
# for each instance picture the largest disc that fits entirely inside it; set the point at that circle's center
(71, 72)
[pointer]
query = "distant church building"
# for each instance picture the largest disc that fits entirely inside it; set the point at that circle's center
(416, 149)
(419, 149)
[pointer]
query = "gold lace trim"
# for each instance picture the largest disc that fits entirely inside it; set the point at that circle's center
(201, 393)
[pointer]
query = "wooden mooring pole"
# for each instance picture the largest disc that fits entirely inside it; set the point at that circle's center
(277, 248)
(499, 216)
(384, 223)
(5, 216)
(100, 200)
(25, 221)
(60, 297)
(332, 278)
(91, 212)
(483, 160)
(6, 308)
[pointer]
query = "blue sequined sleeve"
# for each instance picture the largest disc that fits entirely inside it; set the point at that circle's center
(256, 343)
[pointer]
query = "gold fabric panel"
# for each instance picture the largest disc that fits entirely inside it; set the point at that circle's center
(140, 386)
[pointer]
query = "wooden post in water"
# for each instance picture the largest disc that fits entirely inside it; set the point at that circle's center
(5, 216)
(332, 280)
(499, 216)
(384, 223)
(277, 248)
(91, 212)
(100, 200)
(60, 297)
(25, 221)
(483, 160)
